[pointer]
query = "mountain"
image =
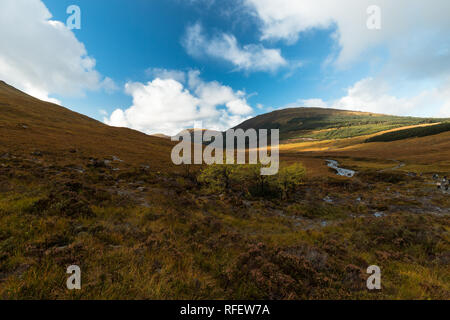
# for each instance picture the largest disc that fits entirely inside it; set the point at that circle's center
(296, 124)
(150, 232)
(28, 124)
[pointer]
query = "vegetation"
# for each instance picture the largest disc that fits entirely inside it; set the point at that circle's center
(137, 235)
(248, 180)
(323, 124)
(73, 191)
(411, 133)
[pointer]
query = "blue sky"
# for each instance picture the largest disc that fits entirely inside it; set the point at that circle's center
(127, 39)
(160, 65)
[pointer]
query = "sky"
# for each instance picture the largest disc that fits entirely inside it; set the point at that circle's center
(160, 66)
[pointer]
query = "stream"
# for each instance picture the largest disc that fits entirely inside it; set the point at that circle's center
(340, 171)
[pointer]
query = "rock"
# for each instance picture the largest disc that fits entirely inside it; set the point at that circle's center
(114, 158)
(56, 250)
(247, 203)
(327, 199)
(379, 214)
(61, 249)
(98, 163)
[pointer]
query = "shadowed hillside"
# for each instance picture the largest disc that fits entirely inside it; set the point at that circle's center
(324, 124)
(30, 125)
(411, 133)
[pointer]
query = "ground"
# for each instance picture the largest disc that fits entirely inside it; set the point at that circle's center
(74, 191)
(137, 233)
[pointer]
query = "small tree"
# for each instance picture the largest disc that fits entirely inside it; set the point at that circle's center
(217, 176)
(289, 178)
(251, 180)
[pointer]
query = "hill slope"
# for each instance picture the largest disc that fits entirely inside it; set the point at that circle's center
(140, 233)
(28, 124)
(323, 124)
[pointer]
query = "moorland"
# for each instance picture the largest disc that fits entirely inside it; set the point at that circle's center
(74, 191)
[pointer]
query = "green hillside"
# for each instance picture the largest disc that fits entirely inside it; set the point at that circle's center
(323, 124)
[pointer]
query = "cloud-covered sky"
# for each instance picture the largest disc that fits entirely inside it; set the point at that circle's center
(175, 100)
(159, 66)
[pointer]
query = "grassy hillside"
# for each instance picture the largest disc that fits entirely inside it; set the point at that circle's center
(30, 125)
(411, 133)
(152, 232)
(324, 124)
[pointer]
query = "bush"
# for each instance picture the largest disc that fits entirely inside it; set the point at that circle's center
(248, 179)
(218, 177)
(290, 178)
(392, 177)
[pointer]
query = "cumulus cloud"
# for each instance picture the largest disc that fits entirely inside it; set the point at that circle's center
(250, 57)
(42, 56)
(164, 74)
(168, 106)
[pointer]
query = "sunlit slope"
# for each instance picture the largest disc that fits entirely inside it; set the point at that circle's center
(299, 124)
(429, 147)
(28, 124)
(421, 154)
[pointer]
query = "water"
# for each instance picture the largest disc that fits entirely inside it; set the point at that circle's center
(340, 171)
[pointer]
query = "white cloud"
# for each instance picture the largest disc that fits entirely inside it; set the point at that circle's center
(373, 95)
(167, 106)
(251, 57)
(406, 26)
(164, 74)
(42, 56)
(238, 107)
(411, 51)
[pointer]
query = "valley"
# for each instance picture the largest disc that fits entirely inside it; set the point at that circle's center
(75, 191)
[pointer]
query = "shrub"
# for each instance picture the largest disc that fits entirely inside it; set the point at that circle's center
(248, 179)
(392, 177)
(218, 177)
(289, 178)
